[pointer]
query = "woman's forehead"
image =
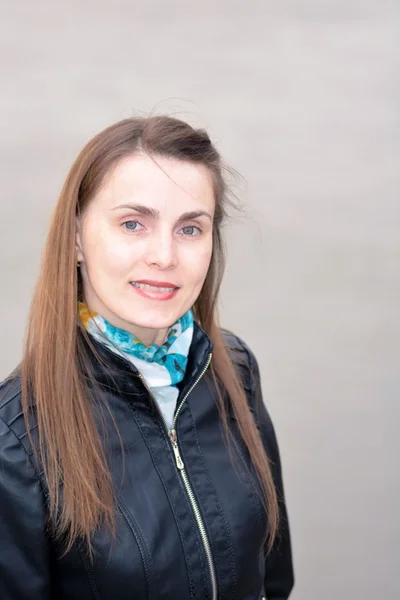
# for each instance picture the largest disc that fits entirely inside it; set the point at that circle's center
(162, 183)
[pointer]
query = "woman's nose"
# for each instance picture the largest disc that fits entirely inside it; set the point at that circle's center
(161, 251)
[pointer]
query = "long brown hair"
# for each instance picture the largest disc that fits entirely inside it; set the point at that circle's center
(52, 366)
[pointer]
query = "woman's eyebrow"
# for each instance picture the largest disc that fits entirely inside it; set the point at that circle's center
(141, 209)
(195, 214)
(153, 213)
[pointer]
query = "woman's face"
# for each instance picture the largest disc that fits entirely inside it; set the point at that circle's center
(145, 243)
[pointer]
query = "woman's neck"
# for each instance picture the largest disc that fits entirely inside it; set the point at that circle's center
(150, 336)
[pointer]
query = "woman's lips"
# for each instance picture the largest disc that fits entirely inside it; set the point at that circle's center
(155, 290)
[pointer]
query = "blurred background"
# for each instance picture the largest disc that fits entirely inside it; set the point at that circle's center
(302, 98)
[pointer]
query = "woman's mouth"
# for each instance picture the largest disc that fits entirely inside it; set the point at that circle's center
(155, 290)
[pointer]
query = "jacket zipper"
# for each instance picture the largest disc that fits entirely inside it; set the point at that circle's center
(181, 468)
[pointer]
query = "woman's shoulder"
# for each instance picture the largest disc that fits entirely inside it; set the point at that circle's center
(11, 414)
(243, 358)
(247, 366)
(237, 344)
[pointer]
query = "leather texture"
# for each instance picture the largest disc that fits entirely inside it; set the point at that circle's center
(158, 553)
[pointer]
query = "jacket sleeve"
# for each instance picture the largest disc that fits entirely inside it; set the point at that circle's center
(279, 576)
(24, 557)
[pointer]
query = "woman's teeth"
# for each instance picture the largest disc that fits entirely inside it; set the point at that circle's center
(146, 286)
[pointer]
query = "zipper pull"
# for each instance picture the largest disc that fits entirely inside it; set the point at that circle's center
(172, 437)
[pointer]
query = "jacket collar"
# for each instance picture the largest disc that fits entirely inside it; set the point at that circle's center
(110, 370)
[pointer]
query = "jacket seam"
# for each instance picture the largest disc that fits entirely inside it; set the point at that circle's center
(7, 400)
(188, 562)
(28, 456)
(227, 529)
(141, 542)
(254, 492)
(89, 573)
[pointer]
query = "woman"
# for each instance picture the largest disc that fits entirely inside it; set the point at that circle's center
(137, 459)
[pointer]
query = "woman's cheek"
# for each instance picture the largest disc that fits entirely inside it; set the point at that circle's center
(204, 260)
(198, 258)
(119, 253)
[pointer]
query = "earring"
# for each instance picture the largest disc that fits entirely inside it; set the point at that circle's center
(78, 264)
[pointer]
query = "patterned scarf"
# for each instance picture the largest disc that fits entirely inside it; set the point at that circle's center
(162, 367)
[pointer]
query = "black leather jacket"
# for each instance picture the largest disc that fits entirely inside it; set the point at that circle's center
(190, 524)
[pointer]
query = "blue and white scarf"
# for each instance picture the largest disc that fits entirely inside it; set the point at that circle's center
(162, 367)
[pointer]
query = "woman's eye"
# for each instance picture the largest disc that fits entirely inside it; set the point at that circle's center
(191, 230)
(132, 225)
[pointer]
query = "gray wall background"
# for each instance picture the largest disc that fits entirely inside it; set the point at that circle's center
(302, 99)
